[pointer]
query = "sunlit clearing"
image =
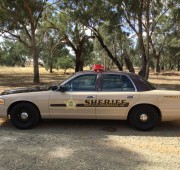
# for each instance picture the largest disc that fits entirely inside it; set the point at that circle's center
(61, 153)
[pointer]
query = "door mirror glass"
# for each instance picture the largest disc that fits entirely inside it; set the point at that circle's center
(62, 89)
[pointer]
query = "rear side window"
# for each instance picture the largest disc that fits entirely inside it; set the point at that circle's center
(114, 82)
(127, 84)
(142, 84)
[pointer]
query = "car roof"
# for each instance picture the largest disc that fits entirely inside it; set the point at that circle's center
(103, 72)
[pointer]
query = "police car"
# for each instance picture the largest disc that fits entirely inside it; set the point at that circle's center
(96, 94)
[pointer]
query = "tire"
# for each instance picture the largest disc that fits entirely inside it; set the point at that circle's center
(24, 115)
(143, 117)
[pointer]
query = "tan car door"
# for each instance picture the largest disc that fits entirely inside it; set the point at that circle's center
(116, 98)
(72, 102)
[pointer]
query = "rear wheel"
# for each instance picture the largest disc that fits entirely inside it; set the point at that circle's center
(24, 115)
(143, 117)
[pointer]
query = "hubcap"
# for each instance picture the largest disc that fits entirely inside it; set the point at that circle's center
(143, 117)
(24, 116)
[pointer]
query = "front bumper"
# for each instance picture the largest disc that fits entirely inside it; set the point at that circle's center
(3, 111)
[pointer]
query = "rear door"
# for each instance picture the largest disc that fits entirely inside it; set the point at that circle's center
(116, 95)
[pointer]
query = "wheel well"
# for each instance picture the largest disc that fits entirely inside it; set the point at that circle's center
(15, 103)
(155, 107)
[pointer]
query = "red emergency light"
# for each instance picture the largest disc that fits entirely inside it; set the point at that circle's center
(98, 67)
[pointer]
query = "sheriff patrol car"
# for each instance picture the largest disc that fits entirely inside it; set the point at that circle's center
(93, 94)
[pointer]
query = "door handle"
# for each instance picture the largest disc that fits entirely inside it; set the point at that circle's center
(130, 97)
(90, 97)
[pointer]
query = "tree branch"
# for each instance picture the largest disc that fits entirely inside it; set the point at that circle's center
(17, 37)
(154, 25)
(70, 43)
(26, 4)
(40, 13)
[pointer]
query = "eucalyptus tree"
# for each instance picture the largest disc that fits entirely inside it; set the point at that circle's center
(92, 14)
(118, 43)
(66, 62)
(20, 20)
(12, 53)
(171, 50)
(135, 14)
(143, 18)
(70, 33)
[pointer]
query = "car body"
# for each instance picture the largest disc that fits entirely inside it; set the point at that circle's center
(93, 95)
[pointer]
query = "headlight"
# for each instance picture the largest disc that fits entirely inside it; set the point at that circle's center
(2, 102)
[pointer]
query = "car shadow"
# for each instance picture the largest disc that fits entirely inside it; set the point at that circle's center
(69, 144)
(105, 127)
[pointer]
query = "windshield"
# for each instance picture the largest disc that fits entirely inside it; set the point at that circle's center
(67, 79)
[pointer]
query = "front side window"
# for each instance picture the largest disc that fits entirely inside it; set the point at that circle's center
(113, 82)
(82, 83)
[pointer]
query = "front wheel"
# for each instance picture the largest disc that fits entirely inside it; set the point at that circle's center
(24, 115)
(143, 117)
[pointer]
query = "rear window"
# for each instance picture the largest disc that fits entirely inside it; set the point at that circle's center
(142, 84)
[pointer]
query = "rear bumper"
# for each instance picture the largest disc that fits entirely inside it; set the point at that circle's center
(170, 115)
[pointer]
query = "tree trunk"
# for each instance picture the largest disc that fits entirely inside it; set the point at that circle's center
(114, 59)
(51, 63)
(79, 60)
(35, 58)
(147, 39)
(51, 69)
(141, 44)
(143, 70)
(157, 56)
(79, 66)
(179, 65)
(158, 68)
(128, 62)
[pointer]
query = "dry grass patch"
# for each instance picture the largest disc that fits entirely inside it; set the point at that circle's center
(167, 81)
(14, 77)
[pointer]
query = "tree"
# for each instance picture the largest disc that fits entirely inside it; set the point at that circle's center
(167, 28)
(118, 44)
(19, 20)
(12, 53)
(66, 62)
(87, 13)
(71, 33)
(142, 17)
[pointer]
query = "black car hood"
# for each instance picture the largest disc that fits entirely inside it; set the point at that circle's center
(25, 90)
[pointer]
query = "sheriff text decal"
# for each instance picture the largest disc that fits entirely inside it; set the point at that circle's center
(106, 103)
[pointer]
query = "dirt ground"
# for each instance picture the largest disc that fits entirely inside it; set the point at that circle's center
(86, 144)
(83, 144)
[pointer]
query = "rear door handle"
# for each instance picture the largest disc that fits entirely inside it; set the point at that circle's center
(130, 97)
(90, 97)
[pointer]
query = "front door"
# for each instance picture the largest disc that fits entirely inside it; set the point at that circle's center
(72, 102)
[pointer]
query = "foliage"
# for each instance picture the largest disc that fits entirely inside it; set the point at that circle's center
(12, 53)
(66, 34)
(19, 20)
(65, 63)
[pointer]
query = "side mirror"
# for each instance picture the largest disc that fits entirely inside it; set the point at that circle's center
(53, 87)
(62, 89)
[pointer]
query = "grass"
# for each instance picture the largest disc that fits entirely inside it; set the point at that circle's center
(165, 82)
(14, 77)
